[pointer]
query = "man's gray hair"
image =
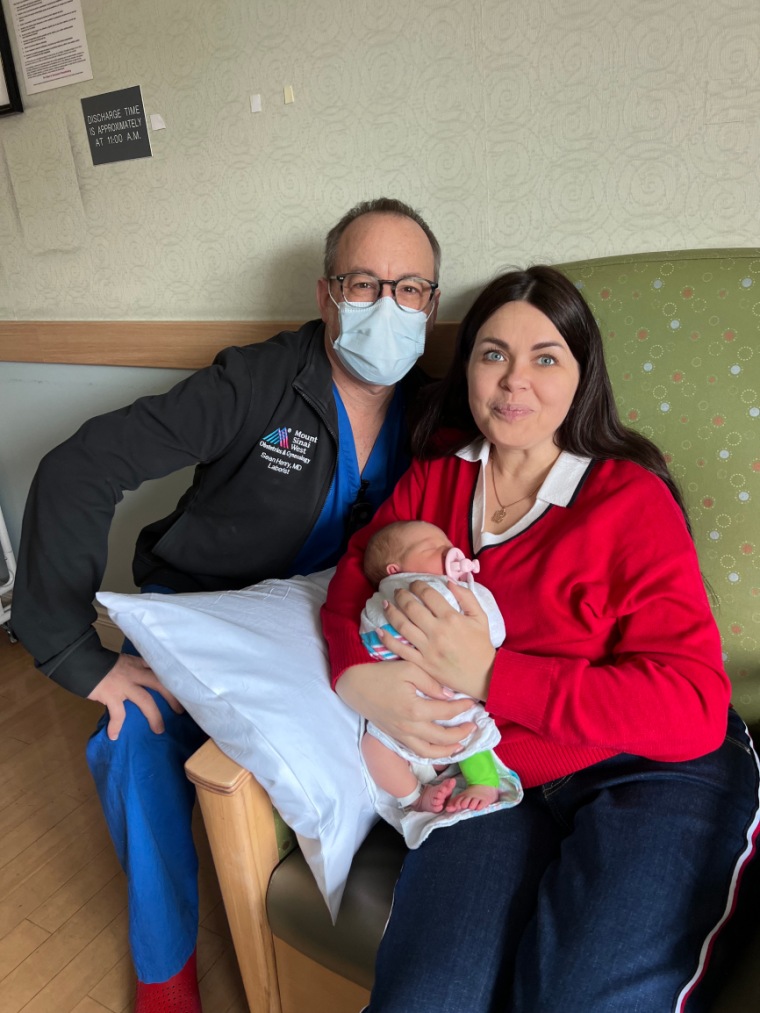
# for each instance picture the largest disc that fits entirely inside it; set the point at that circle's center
(381, 205)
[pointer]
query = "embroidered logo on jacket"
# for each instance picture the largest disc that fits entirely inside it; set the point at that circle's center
(279, 436)
(286, 450)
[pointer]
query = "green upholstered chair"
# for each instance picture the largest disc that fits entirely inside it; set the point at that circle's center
(681, 334)
(682, 337)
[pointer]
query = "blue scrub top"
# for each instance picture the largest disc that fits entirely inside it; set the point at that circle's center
(387, 462)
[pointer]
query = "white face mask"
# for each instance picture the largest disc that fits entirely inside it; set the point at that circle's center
(379, 342)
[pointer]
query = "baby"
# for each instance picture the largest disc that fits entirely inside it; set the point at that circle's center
(395, 556)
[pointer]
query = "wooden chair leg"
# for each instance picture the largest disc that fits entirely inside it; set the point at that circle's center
(237, 813)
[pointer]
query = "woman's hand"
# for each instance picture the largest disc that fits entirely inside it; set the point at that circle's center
(386, 694)
(453, 647)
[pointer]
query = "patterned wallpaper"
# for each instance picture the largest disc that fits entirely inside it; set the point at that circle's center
(524, 131)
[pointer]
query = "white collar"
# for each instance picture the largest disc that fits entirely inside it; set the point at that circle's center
(558, 489)
(560, 484)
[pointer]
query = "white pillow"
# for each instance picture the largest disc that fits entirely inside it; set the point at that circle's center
(251, 668)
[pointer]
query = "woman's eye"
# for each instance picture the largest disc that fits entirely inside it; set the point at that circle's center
(493, 356)
(546, 360)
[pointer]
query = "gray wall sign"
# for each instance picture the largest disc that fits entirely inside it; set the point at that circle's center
(116, 127)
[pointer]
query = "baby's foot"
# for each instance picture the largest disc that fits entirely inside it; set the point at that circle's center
(434, 797)
(475, 797)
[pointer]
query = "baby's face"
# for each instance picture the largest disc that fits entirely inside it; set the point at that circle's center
(425, 549)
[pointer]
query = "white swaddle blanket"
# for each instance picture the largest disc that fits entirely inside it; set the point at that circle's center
(373, 614)
(417, 826)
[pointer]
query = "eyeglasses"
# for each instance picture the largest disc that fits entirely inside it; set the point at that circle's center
(360, 512)
(411, 293)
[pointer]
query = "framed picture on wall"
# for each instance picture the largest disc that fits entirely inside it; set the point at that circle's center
(10, 96)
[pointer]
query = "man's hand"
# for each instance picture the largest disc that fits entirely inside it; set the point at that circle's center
(386, 694)
(129, 679)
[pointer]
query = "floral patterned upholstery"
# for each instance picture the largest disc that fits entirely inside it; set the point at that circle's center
(680, 332)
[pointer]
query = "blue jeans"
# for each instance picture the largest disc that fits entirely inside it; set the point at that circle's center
(601, 892)
(148, 805)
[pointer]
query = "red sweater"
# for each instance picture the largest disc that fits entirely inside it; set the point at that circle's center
(611, 646)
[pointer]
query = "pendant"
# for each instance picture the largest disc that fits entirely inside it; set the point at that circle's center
(498, 515)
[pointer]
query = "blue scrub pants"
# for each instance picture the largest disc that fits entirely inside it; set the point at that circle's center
(602, 892)
(148, 804)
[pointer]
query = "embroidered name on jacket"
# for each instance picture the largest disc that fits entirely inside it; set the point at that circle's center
(286, 449)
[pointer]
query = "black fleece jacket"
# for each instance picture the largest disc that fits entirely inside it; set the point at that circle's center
(252, 503)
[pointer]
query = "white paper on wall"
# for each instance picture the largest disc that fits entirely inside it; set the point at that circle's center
(52, 43)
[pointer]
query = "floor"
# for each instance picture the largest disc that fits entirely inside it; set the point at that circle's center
(63, 919)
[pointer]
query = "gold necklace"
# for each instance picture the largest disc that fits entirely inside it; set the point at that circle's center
(498, 515)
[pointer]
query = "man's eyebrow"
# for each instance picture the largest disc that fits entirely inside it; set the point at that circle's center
(366, 270)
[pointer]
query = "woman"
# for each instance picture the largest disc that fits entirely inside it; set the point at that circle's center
(604, 889)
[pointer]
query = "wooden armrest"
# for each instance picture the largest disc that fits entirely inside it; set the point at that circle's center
(239, 822)
(209, 768)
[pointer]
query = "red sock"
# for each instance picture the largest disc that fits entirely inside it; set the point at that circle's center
(177, 995)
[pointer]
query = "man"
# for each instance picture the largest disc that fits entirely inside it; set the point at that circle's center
(296, 441)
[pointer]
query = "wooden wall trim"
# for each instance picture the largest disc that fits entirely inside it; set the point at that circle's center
(174, 344)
